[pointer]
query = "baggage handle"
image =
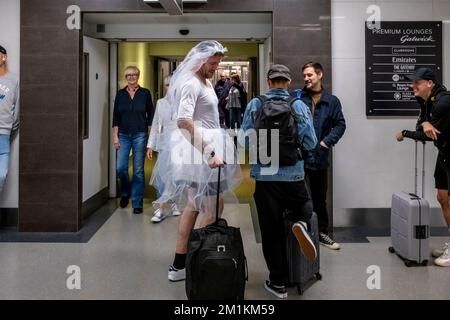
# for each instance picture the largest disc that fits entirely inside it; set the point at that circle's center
(217, 221)
(217, 198)
(420, 231)
(423, 168)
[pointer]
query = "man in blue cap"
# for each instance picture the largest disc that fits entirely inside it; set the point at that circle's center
(434, 124)
(283, 188)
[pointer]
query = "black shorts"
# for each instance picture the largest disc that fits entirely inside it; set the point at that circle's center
(442, 174)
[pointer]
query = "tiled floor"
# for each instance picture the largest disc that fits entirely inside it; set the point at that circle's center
(127, 258)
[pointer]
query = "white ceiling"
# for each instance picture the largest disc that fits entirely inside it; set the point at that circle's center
(188, 18)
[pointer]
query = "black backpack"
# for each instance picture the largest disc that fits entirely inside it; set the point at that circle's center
(278, 114)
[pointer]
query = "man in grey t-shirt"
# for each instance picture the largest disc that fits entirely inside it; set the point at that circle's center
(9, 119)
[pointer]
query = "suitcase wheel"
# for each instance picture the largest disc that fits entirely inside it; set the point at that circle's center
(424, 263)
(409, 263)
(318, 276)
(391, 250)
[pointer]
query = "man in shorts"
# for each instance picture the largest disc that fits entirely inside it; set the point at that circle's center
(434, 124)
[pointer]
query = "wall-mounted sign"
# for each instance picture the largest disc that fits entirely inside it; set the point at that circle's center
(394, 50)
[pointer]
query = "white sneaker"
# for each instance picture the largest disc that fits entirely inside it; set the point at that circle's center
(174, 208)
(176, 274)
(158, 216)
(444, 259)
(307, 246)
(438, 252)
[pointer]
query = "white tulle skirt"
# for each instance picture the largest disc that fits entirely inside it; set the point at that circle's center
(185, 176)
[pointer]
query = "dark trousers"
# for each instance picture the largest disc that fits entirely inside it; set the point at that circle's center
(318, 185)
(272, 198)
(235, 118)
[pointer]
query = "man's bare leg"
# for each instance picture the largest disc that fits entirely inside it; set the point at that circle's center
(210, 215)
(185, 225)
(444, 200)
(177, 271)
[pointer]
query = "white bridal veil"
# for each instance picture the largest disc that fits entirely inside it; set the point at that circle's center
(181, 170)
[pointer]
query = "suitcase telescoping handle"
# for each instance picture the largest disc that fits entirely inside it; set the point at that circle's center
(217, 198)
(423, 168)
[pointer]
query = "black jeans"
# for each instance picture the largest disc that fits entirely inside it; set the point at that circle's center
(318, 185)
(272, 198)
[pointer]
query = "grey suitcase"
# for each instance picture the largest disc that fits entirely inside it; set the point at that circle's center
(301, 271)
(410, 223)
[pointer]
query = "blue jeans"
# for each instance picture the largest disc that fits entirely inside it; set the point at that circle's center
(137, 142)
(4, 158)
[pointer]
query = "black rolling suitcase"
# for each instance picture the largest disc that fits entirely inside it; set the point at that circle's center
(216, 267)
(302, 272)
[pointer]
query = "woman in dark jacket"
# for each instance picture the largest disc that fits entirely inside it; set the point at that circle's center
(132, 118)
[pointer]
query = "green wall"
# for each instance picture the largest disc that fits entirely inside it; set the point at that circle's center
(141, 54)
(136, 54)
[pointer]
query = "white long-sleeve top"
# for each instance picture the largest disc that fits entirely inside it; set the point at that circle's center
(161, 118)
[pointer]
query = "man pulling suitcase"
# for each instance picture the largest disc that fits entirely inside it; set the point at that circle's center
(284, 186)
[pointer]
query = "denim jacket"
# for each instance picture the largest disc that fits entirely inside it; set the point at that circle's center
(329, 124)
(306, 136)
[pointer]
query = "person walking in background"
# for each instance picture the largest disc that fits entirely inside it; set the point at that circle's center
(221, 88)
(234, 102)
(163, 117)
(329, 125)
(132, 118)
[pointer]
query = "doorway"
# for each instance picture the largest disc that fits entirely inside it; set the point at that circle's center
(244, 62)
(242, 34)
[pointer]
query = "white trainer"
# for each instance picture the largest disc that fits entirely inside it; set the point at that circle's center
(438, 252)
(444, 259)
(176, 274)
(175, 210)
(158, 216)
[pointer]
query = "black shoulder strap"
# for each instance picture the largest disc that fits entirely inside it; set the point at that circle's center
(292, 100)
(263, 98)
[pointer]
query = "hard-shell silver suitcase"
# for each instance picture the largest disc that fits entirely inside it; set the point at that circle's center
(410, 223)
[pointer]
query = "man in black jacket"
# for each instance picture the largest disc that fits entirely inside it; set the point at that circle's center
(329, 125)
(434, 124)
(221, 88)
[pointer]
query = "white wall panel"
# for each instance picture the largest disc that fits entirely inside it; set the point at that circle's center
(368, 163)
